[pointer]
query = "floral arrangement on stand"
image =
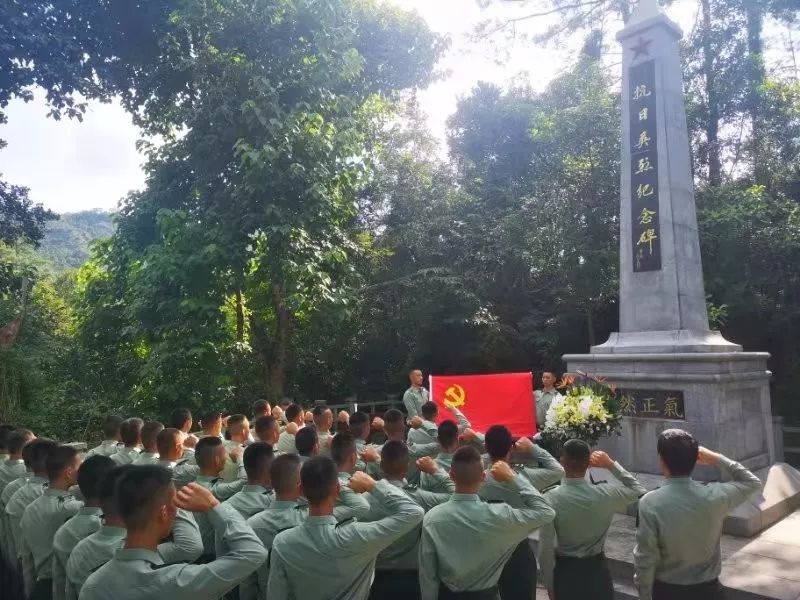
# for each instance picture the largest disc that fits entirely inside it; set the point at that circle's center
(588, 409)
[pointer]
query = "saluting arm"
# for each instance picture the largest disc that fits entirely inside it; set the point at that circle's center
(744, 483)
(186, 544)
(350, 505)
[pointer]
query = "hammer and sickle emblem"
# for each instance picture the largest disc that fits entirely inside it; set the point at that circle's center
(454, 396)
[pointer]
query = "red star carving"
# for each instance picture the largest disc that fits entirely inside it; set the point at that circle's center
(642, 48)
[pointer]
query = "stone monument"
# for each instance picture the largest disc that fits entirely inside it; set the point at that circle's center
(673, 370)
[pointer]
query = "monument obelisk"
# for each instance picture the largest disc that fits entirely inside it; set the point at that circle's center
(672, 369)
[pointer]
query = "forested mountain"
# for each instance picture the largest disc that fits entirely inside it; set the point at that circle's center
(67, 241)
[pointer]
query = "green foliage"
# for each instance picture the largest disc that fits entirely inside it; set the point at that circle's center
(66, 243)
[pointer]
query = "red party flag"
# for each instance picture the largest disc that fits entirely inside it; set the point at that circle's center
(486, 400)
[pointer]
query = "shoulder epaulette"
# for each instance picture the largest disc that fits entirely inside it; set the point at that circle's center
(411, 487)
(346, 522)
(181, 462)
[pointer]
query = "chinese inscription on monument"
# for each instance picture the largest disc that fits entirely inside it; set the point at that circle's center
(644, 168)
(653, 404)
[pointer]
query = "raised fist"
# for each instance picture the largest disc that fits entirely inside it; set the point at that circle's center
(427, 465)
(236, 454)
(292, 428)
(190, 441)
(416, 422)
(601, 460)
(360, 482)
(502, 471)
(196, 498)
(377, 423)
(524, 445)
(468, 435)
(370, 455)
(343, 417)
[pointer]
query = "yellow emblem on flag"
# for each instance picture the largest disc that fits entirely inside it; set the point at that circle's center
(454, 396)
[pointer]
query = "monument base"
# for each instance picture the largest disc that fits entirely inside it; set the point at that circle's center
(726, 406)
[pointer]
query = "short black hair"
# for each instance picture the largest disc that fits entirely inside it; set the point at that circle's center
(394, 421)
(447, 433)
(206, 450)
(5, 431)
(130, 431)
(319, 476)
(305, 440)
(58, 459)
(165, 440)
(259, 407)
(467, 466)
(235, 422)
(111, 426)
(394, 458)
(257, 456)
(179, 417)
(319, 414)
(343, 445)
(678, 449)
(293, 411)
(576, 455)
(17, 440)
(498, 442)
(139, 491)
(35, 454)
(107, 487)
(150, 432)
(209, 418)
(264, 423)
(359, 423)
(284, 473)
(429, 410)
(91, 473)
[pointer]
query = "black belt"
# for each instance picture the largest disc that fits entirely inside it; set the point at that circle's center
(445, 593)
(707, 590)
(594, 558)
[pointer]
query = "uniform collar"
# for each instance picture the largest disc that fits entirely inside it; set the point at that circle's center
(321, 521)
(91, 511)
(54, 492)
(677, 481)
(130, 554)
(149, 454)
(169, 464)
(109, 443)
(207, 478)
(398, 483)
(35, 479)
(282, 504)
(465, 498)
(110, 531)
(574, 481)
(128, 450)
(15, 461)
(344, 476)
(256, 489)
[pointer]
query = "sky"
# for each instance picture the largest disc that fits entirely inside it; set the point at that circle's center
(71, 166)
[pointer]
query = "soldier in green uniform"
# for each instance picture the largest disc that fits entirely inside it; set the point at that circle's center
(415, 396)
(294, 415)
(267, 430)
(321, 558)
(149, 453)
(84, 523)
(91, 553)
(344, 454)
(447, 436)
(210, 454)
(130, 431)
(257, 493)
(396, 571)
(677, 555)
(148, 505)
(7, 539)
(43, 517)
(170, 451)
(428, 431)
(519, 575)
(307, 443)
(466, 542)
(571, 547)
(14, 466)
(323, 421)
(394, 427)
(111, 439)
(33, 488)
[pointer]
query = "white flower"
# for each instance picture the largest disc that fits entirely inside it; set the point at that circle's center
(585, 405)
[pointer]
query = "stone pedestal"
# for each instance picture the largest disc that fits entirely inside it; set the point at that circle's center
(726, 403)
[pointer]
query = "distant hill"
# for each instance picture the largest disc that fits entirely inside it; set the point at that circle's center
(66, 244)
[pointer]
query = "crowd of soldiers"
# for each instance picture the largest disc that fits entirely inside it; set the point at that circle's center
(304, 507)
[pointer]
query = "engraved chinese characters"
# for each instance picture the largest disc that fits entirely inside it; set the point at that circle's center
(654, 404)
(644, 168)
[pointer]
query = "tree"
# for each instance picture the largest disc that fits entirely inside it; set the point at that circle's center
(20, 219)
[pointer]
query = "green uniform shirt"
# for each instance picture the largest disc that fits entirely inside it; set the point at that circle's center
(415, 451)
(373, 469)
(10, 470)
(404, 553)
(680, 525)
(147, 458)
(431, 483)
(138, 574)
(97, 549)
(429, 431)
(182, 471)
(413, 399)
(349, 504)
(251, 499)
(126, 456)
(548, 472)
(79, 527)
(222, 491)
(286, 443)
(9, 545)
(583, 516)
(106, 448)
(279, 516)
(322, 559)
(466, 542)
(15, 508)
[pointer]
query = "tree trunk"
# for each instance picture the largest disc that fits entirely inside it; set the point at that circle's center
(712, 122)
(590, 326)
(239, 317)
(757, 76)
(280, 346)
